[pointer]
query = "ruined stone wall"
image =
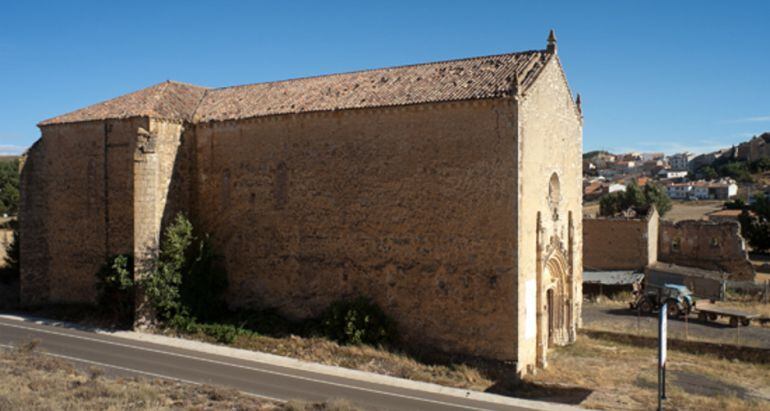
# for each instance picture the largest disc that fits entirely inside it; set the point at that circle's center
(33, 227)
(620, 243)
(76, 208)
(550, 143)
(709, 245)
(413, 207)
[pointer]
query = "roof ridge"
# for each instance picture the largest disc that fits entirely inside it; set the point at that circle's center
(510, 54)
(184, 83)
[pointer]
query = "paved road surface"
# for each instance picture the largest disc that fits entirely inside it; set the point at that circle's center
(128, 357)
(621, 319)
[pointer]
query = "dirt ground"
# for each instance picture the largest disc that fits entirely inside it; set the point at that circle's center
(680, 210)
(617, 376)
(30, 380)
(616, 317)
(692, 210)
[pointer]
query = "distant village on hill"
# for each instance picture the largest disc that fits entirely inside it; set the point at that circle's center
(719, 175)
(713, 239)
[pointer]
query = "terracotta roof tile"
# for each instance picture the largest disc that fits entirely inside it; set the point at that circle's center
(453, 80)
(466, 79)
(168, 100)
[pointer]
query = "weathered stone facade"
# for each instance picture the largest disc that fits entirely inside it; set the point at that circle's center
(618, 243)
(448, 193)
(716, 246)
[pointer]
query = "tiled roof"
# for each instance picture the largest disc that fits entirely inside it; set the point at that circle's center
(454, 80)
(467, 79)
(168, 100)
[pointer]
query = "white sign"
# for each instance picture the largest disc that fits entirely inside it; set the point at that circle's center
(530, 307)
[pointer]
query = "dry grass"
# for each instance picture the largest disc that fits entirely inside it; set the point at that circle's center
(752, 307)
(593, 373)
(680, 210)
(30, 380)
(692, 210)
(623, 376)
(364, 358)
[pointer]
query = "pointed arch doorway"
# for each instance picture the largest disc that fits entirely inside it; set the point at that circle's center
(554, 305)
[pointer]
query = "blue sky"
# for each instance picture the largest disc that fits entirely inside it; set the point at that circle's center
(654, 76)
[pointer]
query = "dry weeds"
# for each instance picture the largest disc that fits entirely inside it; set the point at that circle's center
(622, 376)
(364, 358)
(593, 373)
(30, 380)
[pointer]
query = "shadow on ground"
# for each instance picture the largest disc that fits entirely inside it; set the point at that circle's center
(533, 391)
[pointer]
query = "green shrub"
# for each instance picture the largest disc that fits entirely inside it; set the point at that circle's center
(204, 284)
(270, 322)
(115, 288)
(223, 333)
(183, 323)
(356, 322)
(162, 286)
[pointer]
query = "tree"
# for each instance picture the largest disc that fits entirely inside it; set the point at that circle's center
(635, 198)
(736, 170)
(187, 283)
(9, 187)
(763, 164)
(708, 173)
(657, 196)
(162, 286)
(736, 204)
(755, 228)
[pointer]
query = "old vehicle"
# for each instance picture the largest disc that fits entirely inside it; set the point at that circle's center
(710, 312)
(652, 297)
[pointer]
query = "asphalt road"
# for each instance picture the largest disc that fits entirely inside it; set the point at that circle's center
(128, 357)
(622, 319)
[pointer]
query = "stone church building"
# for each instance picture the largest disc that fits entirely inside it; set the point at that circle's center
(449, 193)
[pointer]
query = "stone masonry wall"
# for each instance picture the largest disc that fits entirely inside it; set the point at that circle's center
(76, 208)
(33, 227)
(709, 245)
(413, 207)
(549, 142)
(620, 243)
(157, 185)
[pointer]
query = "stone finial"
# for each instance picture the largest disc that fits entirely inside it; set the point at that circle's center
(551, 42)
(578, 102)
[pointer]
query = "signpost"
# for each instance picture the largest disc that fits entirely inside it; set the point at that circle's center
(662, 327)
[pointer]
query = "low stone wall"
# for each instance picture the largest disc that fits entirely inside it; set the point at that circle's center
(709, 245)
(620, 243)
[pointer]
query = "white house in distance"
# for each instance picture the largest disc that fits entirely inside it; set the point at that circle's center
(703, 190)
(669, 174)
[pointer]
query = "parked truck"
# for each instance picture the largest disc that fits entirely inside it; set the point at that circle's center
(652, 297)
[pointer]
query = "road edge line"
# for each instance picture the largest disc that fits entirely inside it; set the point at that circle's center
(293, 363)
